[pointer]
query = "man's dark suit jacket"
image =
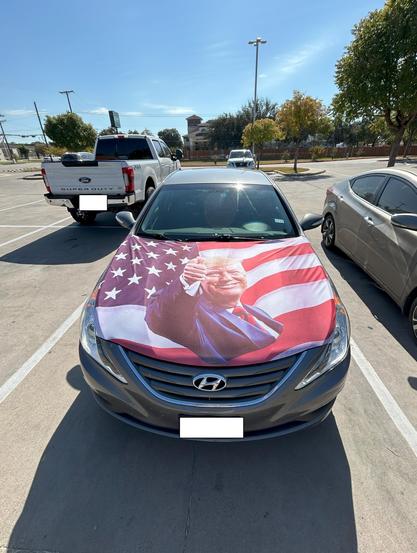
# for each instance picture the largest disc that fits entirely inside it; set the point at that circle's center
(214, 334)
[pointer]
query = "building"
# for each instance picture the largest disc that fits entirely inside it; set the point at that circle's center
(197, 136)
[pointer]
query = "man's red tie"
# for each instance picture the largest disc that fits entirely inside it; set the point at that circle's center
(239, 311)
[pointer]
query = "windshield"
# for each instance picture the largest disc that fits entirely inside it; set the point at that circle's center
(241, 153)
(217, 212)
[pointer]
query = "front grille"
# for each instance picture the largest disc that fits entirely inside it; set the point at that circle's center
(245, 383)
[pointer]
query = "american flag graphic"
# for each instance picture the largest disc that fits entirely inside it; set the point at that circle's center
(285, 279)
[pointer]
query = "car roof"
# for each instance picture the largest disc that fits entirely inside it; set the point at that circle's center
(217, 176)
(409, 173)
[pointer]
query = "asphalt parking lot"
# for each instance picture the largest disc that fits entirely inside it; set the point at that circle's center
(73, 480)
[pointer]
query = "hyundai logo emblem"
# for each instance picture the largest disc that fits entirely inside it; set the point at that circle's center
(85, 180)
(209, 382)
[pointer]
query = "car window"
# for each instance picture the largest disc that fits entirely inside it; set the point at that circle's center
(165, 149)
(367, 186)
(199, 212)
(158, 148)
(398, 197)
(123, 148)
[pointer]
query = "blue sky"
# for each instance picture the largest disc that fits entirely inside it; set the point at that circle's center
(158, 62)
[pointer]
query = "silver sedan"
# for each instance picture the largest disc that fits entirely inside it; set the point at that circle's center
(373, 218)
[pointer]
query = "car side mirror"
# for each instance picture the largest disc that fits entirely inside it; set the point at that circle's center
(310, 221)
(179, 153)
(125, 219)
(405, 220)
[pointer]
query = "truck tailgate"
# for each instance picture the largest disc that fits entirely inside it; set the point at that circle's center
(105, 177)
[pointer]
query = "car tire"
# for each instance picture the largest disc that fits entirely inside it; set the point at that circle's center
(413, 318)
(83, 217)
(148, 192)
(328, 232)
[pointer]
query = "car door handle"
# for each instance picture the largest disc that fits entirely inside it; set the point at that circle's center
(369, 221)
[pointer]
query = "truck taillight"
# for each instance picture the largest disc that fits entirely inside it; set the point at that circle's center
(45, 180)
(129, 178)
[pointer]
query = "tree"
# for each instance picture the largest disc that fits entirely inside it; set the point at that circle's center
(226, 130)
(23, 151)
(377, 75)
(134, 131)
(260, 132)
(171, 137)
(265, 109)
(410, 133)
(41, 149)
(108, 130)
(301, 117)
(69, 131)
(146, 131)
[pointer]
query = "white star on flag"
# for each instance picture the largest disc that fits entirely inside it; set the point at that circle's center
(136, 247)
(120, 256)
(153, 271)
(184, 260)
(119, 272)
(186, 248)
(112, 294)
(150, 291)
(123, 243)
(136, 261)
(171, 266)
(153, 255)
(134, 279)
(152, 244)
(170, 251)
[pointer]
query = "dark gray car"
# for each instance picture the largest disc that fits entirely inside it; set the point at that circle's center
(373, 218)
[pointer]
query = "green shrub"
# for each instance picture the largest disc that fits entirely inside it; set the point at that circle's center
(316, 152)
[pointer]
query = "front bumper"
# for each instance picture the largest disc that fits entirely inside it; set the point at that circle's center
(284, 411)
(72, 202)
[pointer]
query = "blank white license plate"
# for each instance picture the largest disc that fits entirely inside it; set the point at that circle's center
(211, 427)
(93, 202)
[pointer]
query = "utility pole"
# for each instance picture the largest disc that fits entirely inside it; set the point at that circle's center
(41, 126)
(67, 93)
(5, 139)
(258, 40)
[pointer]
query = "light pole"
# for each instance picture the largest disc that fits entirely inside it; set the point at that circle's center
(5, 139)
(258, 40)
(67, 93)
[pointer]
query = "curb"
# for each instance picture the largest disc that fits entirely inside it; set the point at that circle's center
(298, 175)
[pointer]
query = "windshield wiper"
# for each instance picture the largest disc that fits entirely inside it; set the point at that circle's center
(237, 237)
(157, 235)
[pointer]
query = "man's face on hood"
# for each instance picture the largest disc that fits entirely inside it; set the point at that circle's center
(225, 281)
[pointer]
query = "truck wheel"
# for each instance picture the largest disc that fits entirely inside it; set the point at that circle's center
(149, 191)
(83, 217)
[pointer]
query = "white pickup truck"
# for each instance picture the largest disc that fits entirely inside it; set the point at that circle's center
(126, 168)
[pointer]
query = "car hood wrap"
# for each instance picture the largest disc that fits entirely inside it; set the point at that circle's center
(258, 301)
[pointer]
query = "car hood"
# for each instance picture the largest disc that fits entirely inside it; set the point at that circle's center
(283, 301)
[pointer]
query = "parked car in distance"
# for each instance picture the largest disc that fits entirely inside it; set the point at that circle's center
(373, 218)
(77, 156)
(49, 159)
(215, 307)
(125, 168)
(241, 158)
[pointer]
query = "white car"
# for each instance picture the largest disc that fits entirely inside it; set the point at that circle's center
(241, 158)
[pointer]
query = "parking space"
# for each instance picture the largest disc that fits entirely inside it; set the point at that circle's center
(74, 479)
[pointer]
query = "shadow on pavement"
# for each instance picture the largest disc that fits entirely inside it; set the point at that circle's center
(303, 178)
(382, 307)
(71, 244)
(412, 380)
(102, 486)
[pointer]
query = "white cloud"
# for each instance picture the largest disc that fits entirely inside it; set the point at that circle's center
(20, 112)
(292, 62)
(262, 75)
(97, 111)
(218, 45)
(170, 110)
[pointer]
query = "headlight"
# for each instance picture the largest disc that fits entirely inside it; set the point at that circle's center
(88, 337)
(338, 348)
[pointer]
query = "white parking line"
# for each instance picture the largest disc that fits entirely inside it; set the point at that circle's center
(394, 411)
(21, 205)
(10, 384)
(33, 232)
